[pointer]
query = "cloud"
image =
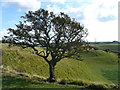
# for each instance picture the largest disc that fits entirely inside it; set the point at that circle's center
(3, 32)
(58, 1)
(91, 9)
(101, 8)
(76, 13)
(23, 4)
(106, 31)
(105, 19)
(99, 16)
(54, 8)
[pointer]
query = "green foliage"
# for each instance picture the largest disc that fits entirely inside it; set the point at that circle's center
(58, 34)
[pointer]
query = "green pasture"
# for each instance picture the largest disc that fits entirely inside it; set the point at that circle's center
(96, 68)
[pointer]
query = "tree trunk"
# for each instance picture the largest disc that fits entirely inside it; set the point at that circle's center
(51, 72)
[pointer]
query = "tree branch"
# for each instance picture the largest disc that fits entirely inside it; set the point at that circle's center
(37, 52)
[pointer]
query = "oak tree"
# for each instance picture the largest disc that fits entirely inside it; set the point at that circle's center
(59, 35)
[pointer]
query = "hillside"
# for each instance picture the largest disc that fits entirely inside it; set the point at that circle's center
(110, 47)
(113, 42)
(97, 67)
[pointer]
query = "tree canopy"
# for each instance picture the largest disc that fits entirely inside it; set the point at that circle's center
(59, 35)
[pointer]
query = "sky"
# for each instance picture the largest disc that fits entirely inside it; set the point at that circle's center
(100, 17)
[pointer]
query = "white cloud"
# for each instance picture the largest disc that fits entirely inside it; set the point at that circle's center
(99, 16)
(58, 1)
(106, 31)
(54, 8)
(93, 10)
(101, 20)
(23, 4)
(3, 32)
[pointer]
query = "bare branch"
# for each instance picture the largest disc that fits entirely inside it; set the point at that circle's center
(39, 53)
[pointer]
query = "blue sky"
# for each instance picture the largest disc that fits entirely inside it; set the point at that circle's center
(100, 17)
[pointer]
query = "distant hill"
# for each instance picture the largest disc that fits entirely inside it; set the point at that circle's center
(114, 42)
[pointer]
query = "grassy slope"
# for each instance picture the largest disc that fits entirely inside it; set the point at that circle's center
(23, 82)
(111, 47)
(97, 67)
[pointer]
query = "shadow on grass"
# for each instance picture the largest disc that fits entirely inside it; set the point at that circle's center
(26, 82)
(19, 82)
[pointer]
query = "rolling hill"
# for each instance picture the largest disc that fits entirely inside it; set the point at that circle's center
(96, 68)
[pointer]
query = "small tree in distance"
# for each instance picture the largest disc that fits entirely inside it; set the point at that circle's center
(59, 35)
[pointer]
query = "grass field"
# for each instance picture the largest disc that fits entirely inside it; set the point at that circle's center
(22, 67)
(111, 47)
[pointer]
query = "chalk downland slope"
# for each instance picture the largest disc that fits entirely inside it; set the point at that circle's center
(97, 68)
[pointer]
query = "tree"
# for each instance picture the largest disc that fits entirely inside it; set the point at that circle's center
(59, 35)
